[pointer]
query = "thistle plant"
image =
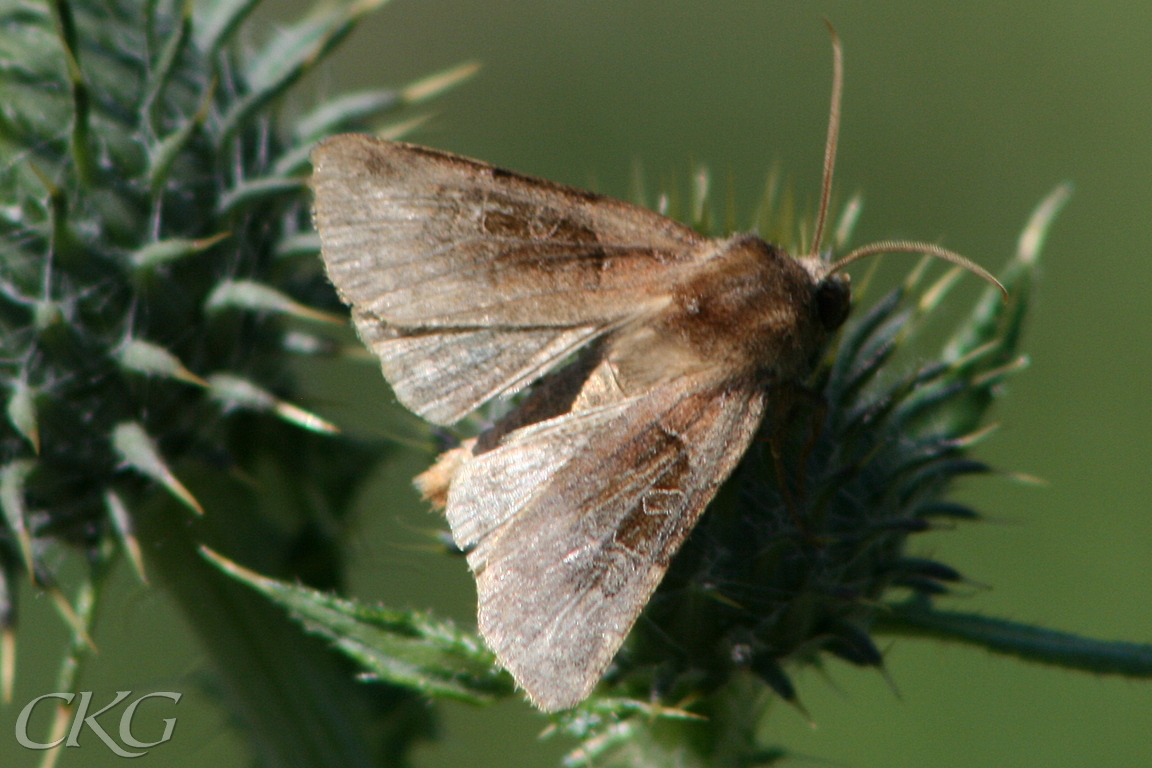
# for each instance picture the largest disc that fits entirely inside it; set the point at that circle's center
(798, 558)
(157, 282)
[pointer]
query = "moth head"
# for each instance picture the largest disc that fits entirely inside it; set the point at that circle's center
(832, 300)
(830, 294)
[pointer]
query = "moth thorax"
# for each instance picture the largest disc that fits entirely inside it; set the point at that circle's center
(749, 309)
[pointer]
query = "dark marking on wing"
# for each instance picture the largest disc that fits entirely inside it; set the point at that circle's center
(518, 221)
(643, 536)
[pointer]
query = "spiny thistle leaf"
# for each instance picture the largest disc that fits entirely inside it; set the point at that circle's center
(254, 297)
(12, 484)
(234, 392)
(22, 413)
(406, 648)
(138, 451)
(216, 20)
(150, 193)
(154, 360)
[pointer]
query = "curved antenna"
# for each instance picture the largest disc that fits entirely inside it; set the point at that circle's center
(833, 138)
(909, 246)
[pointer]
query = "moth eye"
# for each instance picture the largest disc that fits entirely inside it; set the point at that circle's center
(833, 299)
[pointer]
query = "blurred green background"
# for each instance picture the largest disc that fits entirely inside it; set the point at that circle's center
(958, 118)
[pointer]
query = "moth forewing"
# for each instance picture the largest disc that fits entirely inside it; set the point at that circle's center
(469, 281)
(572, 524)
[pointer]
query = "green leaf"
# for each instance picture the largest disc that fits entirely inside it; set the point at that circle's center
(139, 451)
(258, 191)
(302, 244)
(81, 99)
(236, 393)
(12, 482)
(29, 53)
(344, 113)
(161, 72)
(151, 359)
(405, 648)
(165, 251)
(437, 83)
(164, 152)
(122, 524)
(991, 315)
(216, 20)
(22, 413)
(292, 53)
(1024, 641)
(251, 296)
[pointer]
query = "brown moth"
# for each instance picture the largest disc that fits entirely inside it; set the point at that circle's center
(470, 282)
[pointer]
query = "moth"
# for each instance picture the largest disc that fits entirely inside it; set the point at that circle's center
(653, 353)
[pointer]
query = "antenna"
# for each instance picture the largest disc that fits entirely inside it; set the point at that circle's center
(833, 138)
(883, 246)
(910, 246)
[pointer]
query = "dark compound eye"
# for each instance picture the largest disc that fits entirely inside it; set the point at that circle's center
(833, 299)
